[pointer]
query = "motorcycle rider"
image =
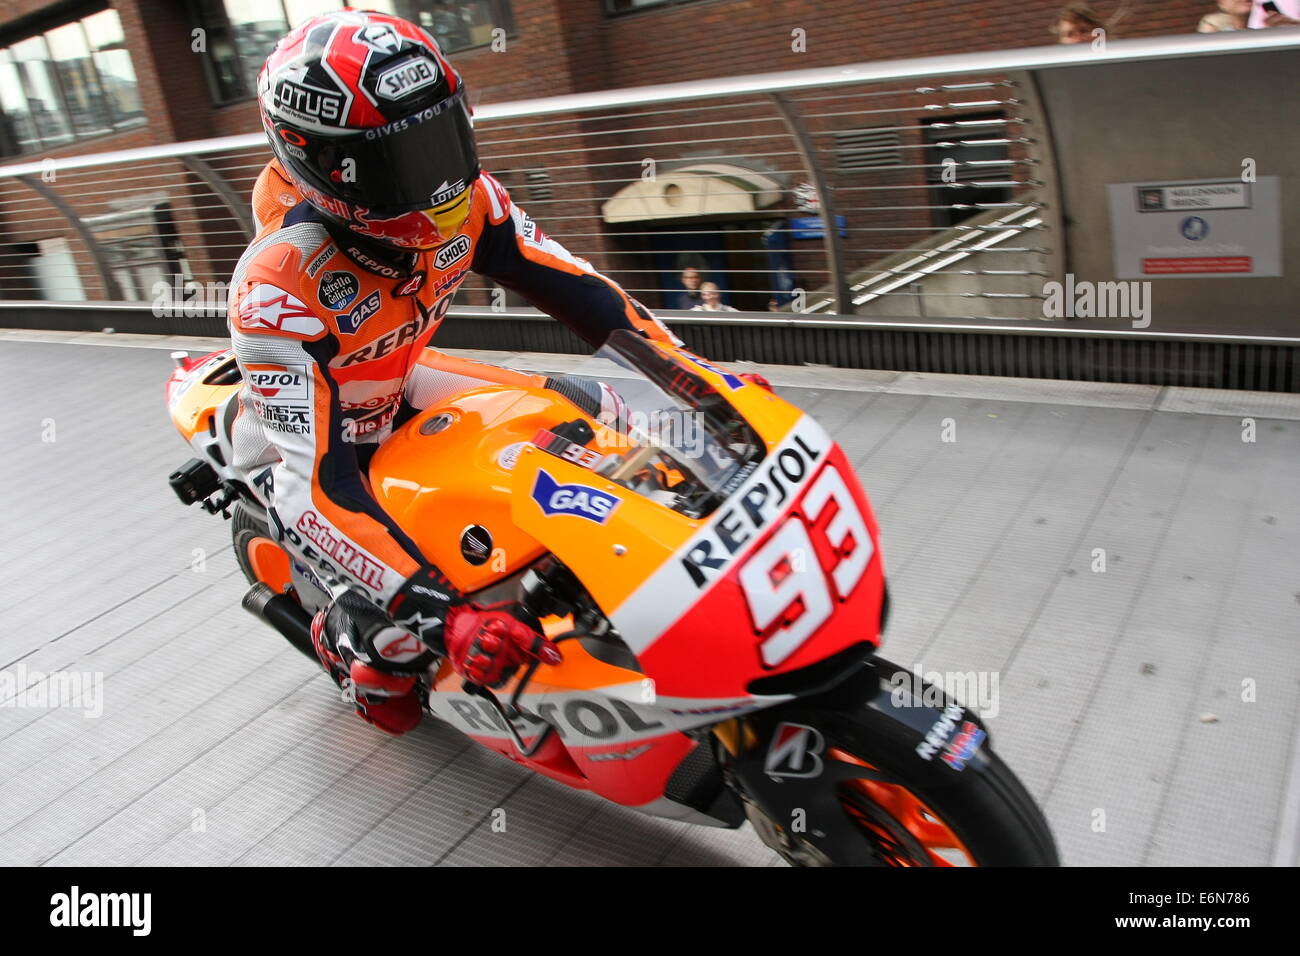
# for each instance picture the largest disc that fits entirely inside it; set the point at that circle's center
(331, 307)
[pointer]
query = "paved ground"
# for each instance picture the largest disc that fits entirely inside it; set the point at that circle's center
(1151, 706)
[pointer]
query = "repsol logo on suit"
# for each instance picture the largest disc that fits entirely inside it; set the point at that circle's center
(404, 334)
(764, 496)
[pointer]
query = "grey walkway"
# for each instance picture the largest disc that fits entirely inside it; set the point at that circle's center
(1152, 707)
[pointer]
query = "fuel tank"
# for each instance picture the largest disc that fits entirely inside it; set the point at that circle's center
(445, 477)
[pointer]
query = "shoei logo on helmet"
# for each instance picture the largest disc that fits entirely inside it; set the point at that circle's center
(406, 78)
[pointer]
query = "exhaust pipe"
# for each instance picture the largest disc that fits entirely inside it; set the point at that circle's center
(284, 614)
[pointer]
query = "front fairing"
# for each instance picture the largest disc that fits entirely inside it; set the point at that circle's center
(785, 572)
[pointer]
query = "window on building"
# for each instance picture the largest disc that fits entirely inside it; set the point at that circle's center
(632, 6)
(73, 81)
(455, 24)
(240, 34)
(41, 89)
(977, 146)
(79, 80)
(113, 64)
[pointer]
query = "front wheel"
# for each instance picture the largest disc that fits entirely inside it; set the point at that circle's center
(860, 776)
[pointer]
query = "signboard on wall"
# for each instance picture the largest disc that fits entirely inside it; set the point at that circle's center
(810, 227)
(1196, 228)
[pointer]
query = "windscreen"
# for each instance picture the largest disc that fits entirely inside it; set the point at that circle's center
(676, 440)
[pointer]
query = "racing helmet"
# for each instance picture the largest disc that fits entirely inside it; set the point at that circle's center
(370, 121)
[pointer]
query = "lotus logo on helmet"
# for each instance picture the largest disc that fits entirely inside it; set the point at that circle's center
(309, 103)
(406, 78)
(447, 191)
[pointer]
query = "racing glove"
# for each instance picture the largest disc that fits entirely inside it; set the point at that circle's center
(486, 645)
(371, 659)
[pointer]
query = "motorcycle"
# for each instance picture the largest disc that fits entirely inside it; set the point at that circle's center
(709, 566)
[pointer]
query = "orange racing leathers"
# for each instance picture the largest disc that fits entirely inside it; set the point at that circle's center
(327, 328)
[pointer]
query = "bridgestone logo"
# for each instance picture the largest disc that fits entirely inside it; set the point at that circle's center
(322, 257)
(452, 252)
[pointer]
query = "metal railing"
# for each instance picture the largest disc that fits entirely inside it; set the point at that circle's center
(909, 188)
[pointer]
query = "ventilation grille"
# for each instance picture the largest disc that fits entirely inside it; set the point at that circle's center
(539, 185)
(858, 149)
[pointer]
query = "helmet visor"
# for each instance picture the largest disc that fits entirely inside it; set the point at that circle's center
(420, 162)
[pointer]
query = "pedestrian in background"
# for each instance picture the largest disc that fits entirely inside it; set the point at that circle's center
(1075, 23)
(691, 298)
(712, 299)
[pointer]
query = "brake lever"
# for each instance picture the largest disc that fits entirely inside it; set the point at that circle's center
(508, 711)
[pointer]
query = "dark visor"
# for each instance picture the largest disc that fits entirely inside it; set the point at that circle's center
(414, 163)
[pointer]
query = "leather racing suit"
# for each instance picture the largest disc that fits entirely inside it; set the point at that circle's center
(327, 328)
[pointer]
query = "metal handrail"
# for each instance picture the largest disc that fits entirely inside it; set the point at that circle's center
(780, 320)
(958, 64)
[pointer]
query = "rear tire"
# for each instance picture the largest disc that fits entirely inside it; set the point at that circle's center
(249, 531)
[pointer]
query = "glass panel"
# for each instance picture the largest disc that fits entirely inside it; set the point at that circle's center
(70, 57)
(116, 74)
(42, 93)
(300, 11)
(627, 6)
(17, 125)
(455, 24)
(222, 58)
(255, 28)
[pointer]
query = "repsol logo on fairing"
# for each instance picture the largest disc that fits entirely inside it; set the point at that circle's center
(602, 719)
(409, 332)
(761, 499)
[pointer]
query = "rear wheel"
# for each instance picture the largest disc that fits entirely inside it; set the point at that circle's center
(259, 556)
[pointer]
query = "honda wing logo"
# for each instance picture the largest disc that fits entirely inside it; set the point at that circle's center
(795, 751)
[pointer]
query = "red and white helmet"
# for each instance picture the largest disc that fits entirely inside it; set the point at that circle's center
(370, 121)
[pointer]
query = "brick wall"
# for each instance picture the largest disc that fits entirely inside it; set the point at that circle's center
(563, 46)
